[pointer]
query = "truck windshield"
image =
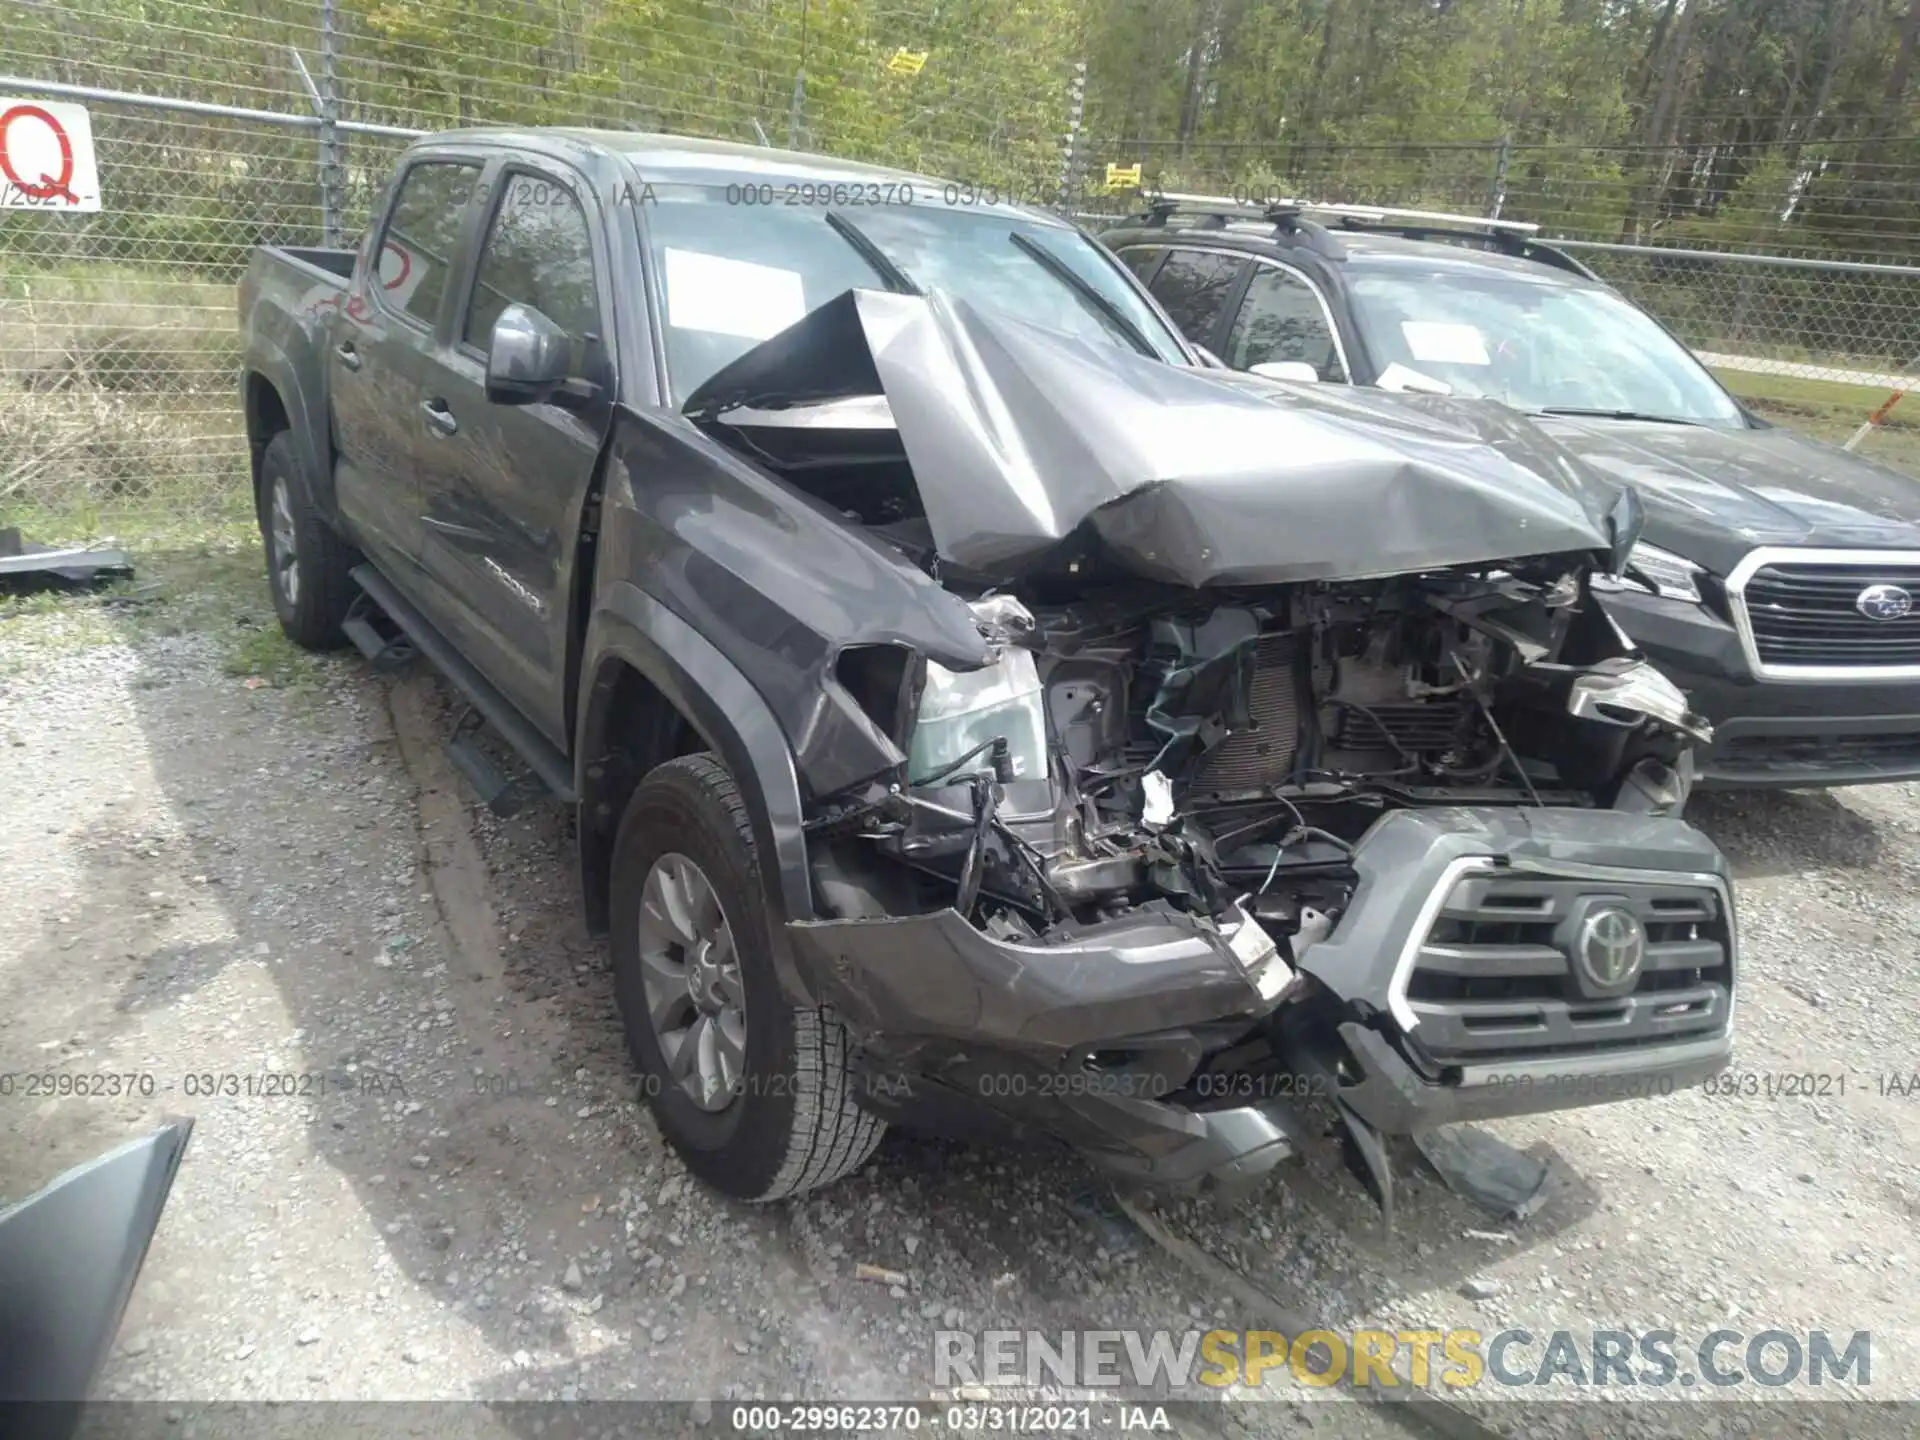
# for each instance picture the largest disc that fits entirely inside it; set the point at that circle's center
(734, 274)
(1538, 347)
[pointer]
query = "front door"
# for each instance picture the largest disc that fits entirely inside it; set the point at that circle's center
(1284, 317)
(1195, 287)
(502, 490)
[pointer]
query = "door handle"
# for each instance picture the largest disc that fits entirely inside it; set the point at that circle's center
(349, 356)
(439, 417)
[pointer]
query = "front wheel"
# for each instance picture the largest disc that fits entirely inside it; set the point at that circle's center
(755, 1095)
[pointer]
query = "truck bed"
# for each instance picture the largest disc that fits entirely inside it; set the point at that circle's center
(288, 299)
(315, 257)
(293, 278)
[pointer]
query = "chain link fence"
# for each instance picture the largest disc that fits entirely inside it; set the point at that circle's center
(224, 124)
(221, 125)
(118, 343)
(1819, 346)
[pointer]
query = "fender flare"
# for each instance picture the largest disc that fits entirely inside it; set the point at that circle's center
(270, 363)
(733, 721)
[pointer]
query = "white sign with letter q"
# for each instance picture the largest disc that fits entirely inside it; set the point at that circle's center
(46, 157)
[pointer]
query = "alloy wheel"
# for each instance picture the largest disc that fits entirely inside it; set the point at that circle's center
(690, 973)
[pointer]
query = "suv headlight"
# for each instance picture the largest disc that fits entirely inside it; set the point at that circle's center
(1655, 572)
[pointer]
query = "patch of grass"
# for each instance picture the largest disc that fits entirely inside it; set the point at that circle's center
(211, 587)
(216, 588)
(1849, 404)
(220, 589)
(33, 626)
(1832, 411)
(263, 652)
(91, 453)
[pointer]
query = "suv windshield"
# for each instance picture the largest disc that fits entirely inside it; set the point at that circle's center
(734, 274)
(1534, 345)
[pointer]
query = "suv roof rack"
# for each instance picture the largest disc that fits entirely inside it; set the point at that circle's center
(1170, 202)
(1283, 216)
(1385, 216)
(1290, 216)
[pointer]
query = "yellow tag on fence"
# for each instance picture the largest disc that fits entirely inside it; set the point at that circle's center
(1123, 177)
(907, 62)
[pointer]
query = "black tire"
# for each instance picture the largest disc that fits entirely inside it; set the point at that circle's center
(318, 574)
(792, 1124)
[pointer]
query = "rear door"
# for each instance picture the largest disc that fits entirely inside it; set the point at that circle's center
(381, 359)
(503, 485)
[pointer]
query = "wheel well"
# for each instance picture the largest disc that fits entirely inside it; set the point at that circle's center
(630, 728)
(266, 417)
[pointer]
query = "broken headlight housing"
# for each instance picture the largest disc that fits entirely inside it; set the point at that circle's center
(991, 719)
(1654, 571)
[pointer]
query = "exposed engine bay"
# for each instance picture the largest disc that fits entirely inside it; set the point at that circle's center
(1163, 729)
(1147, 733)
(1151, 747)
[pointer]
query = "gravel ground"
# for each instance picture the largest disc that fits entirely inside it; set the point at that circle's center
(218, 874)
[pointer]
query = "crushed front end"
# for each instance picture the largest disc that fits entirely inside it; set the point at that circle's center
(1199, 751)
(1174, 870)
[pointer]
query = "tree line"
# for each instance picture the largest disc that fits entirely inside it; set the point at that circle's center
(1780, 125)
(1764, 124)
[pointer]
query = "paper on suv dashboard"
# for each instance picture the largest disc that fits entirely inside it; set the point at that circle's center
(1443, 342)
(731, 297)
(1398, 377)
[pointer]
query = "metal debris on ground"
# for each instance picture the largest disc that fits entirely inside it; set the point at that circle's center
(1102, 1212)
(1419, 1413)
(26, 567)
(1500, 1179)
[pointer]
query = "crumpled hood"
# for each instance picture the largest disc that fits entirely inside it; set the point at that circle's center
(1019, 436)
(1712, 495)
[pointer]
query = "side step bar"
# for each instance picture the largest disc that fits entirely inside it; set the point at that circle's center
(499, 792)
(539, 753)
(385, 644)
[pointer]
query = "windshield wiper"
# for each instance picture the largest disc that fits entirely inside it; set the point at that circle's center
(897, 279)
(1596, 413)
(1089, 295)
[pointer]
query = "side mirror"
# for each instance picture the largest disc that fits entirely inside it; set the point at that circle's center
(528, 358)
(1297, 371)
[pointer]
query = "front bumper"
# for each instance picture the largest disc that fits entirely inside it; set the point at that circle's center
(1773, 732)
(1395, 1098)
(1128, 1040)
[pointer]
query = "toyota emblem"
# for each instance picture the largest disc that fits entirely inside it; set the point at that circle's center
(1884, 602)
(1610, 948)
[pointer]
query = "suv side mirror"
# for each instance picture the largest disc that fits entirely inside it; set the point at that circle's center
(1298, 371)
(528, 357)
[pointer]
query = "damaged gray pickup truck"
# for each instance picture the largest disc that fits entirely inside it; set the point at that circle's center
(980, 711)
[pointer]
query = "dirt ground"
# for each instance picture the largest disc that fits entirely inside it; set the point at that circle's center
(225, 862)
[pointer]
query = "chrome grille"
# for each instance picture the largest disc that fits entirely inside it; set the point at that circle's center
(1494, 978)
(1805, 614)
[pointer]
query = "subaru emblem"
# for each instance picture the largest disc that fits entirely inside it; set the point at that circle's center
(1884, 602)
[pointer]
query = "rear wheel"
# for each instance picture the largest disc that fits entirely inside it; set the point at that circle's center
(308, 565)
(755, 1095)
